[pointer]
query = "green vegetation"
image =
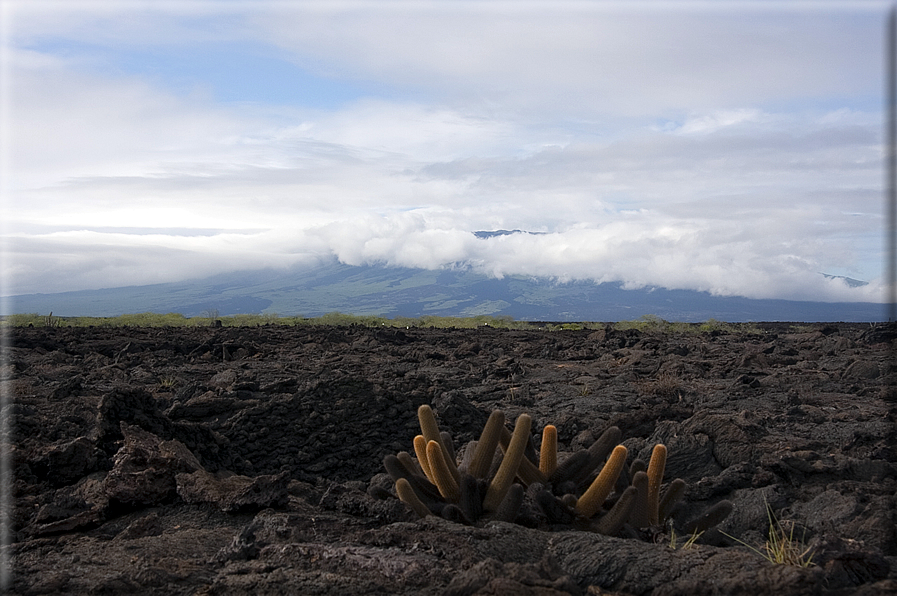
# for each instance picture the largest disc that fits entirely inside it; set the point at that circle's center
(647, 323)
(655, 323)
(253, 320)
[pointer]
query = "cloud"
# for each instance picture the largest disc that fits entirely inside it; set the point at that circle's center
(592, 57)
(641, 249)
(731, 152)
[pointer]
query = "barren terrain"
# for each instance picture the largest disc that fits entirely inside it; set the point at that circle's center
(250, 460)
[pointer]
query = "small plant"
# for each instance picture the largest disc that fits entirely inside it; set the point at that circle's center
(584, 390)
(781, 547)
(666, 385)
(690, 542)
(168, 382)
(212, 315)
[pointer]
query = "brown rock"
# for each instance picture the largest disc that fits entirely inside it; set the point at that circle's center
(233, 493)
(144, 469)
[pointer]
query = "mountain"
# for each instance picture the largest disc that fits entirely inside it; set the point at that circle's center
(494, 233)
(853, 283)
(391, 292)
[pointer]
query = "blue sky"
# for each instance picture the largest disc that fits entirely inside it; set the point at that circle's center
(730, 147)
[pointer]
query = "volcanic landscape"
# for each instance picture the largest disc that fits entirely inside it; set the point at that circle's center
(238, 460)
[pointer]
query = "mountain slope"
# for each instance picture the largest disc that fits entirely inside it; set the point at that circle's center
(391, 292)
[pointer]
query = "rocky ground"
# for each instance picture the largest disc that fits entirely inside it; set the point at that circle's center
(243, 460)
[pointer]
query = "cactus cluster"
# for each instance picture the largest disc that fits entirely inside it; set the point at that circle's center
(502, 477)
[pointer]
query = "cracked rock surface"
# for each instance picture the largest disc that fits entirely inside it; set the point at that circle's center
(238, 460)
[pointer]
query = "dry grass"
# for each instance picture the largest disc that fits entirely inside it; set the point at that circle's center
(690, 542)
(781, 547)
(666, 385)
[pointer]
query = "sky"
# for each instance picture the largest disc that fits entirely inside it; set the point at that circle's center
(732, 147)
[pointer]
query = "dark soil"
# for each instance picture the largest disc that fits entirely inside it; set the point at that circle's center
(239, 460)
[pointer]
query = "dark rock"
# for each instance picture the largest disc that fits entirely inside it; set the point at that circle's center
(65, 463)
(135, 406)
(224, 379)
(77, 507)
(456, 413)
(233, 493)
(846, 563)
(203, 406)
(806, 433)
(145, 467)
(496, 578)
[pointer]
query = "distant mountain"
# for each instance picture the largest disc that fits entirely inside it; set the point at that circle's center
(392, 292)
(853, 283)
(493, 233)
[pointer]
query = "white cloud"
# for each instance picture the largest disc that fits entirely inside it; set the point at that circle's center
(731, 153)
(592, 57)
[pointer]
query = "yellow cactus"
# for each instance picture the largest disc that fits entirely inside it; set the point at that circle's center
(442, 475)
(509, 465)
(528, 472)
(420, 449)
(430, 429)
(656, 468)
(485, 449)
(591, 500)
(548, 455)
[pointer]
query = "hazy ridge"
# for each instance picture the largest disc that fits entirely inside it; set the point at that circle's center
(390, 292)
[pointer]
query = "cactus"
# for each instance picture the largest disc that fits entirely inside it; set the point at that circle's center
(554, 509)
(430, 429)
(406, 460)
(527, 471)
(711, 517)
(655, 478)
(590, 502)
(510, 505)
(491, 485)
(670, 498)
(570, 468)
(612, 522)
(509, 465)
(641, 510)
(409, 497)
(485, 449)
(471, 500)
(442, 474)
(548, 454)
(420, 449)
(599, 451)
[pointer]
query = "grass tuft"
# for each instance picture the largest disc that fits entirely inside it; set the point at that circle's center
(690, 542)
(781, 547)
